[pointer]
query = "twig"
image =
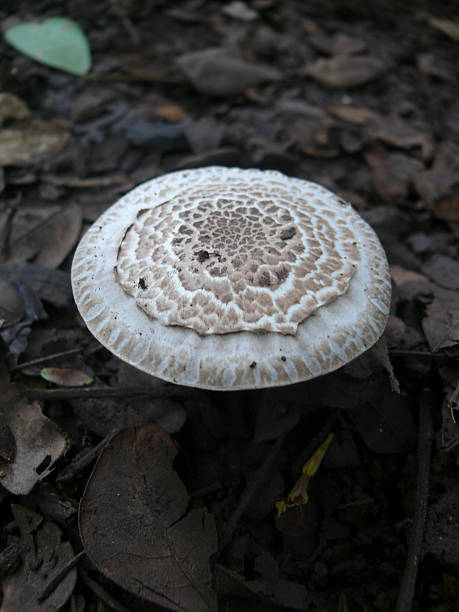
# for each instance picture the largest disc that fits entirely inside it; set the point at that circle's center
(249, 493)
(422, 354)
(408, 583)
(40, 360)
(62, 573)
(82, 462)
(78, 393)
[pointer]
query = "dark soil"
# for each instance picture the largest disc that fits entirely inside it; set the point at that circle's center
(378, 123)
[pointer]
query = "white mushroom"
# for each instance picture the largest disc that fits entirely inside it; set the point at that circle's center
(223, 278)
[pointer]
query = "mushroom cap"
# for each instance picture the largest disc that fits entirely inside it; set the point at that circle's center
(226, 279)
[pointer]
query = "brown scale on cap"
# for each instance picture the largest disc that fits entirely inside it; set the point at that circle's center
(229, 258)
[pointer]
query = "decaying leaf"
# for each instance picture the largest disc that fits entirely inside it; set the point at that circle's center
(216, 72)
(46, 235)
(135, 526)
(11, 304)
(441, 321)
(66, 377)
(280, 592)
(43, 557)
(345, 70)
(50, 285)
(170, 112)
(444, 271)
(7, 442)
(32, 143)
(39, 443)
(12, 107)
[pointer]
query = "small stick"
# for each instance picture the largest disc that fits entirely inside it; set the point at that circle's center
(40, 360)
(408, 582)
(78, 393)
(62, 573)
(249, 493)
(82, 462)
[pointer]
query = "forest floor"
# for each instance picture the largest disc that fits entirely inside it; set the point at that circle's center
(362, 100)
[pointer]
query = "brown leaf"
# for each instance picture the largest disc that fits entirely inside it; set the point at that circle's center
(393, 173)
(50, 285)
(39, 443)
(135, 526)
(281, 593)
(393, 131)
(7, 442)
(441, 323)
(345, 70)
(11, 304)
(46, 234)
(12, 107)
(444, 271)
(217, 73)
(43, 557)
(170, 112)
(32, 143)
(352, 114)
(447, 209)
(66, 377)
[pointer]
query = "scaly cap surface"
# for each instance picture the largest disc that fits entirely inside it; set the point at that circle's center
(224, 278)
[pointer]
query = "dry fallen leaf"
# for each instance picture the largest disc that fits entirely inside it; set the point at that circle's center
(39, 443)
(32, 143)
(12, 107)
(46, 234)
(444, 271)
(66, 377)
(217, 73)
(345, 70)
(170, 112)
(441, 321)
(136, 528)
(43, 557)
(11, 304)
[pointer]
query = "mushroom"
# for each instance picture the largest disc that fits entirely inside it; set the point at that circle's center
(228, 278)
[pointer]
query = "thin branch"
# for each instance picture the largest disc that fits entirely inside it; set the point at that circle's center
(40, 360)
(88, 392)
(59, 577)
(249, 493)
(425, 434)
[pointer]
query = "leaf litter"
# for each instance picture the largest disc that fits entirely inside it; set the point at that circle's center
(136, 526)
(383, 134)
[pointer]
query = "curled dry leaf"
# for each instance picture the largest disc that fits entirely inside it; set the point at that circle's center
(39, 443)
(44, 555)
(135, 526)
(31, 143)
(66, 377)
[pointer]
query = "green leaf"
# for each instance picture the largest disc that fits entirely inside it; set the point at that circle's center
(58, 42)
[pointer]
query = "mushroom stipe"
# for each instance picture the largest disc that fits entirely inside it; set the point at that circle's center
(227, 278)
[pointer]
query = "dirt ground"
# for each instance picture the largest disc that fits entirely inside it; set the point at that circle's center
(125, 492)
